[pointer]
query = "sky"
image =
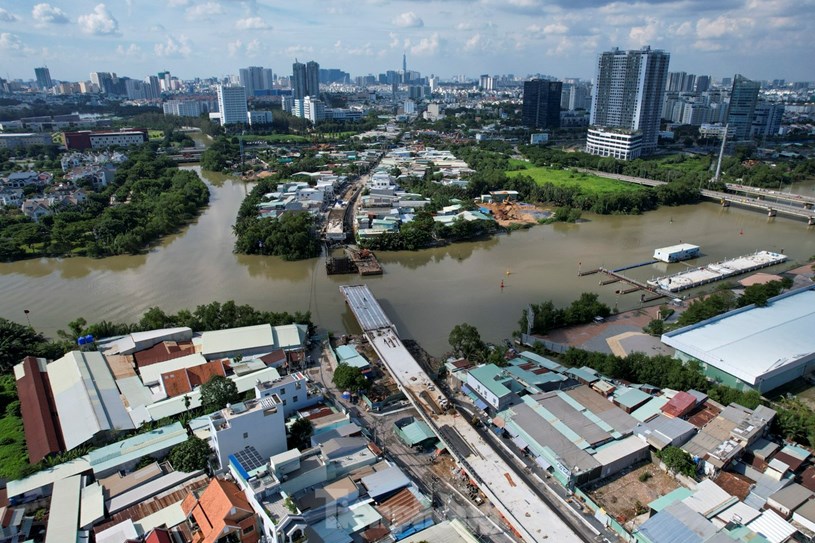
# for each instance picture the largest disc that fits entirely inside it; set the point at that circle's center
(762, 39)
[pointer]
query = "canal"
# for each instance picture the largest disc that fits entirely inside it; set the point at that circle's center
(425, 292)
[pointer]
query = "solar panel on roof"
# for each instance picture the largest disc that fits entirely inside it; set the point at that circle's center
(249, 458)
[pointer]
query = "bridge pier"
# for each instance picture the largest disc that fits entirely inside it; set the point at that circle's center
(771, 212)
(811, 221)
(725, 203)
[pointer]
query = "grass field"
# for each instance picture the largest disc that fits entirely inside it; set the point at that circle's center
(13, 454)
(590, 184)
(155, 134)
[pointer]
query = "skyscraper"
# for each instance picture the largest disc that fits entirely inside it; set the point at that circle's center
(743, 97)
(627, 98)
(312, 79)
(305, 79)
(298, 80)
(232, 105)
(43, 78)
(541, 106)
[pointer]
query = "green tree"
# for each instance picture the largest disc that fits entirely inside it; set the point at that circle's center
(350, 378)
(655, 327)
(18, 341)
(217, 392)
(192, 455)
(300, 434)
(466, 341)
(677, 460)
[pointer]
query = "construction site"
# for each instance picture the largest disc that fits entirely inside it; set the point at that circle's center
(508, 213)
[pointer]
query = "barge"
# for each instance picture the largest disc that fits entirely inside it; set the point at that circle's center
(717, 271)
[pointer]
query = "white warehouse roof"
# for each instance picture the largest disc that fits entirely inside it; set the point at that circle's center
(753, 342)
(86, 397)
(237, 339)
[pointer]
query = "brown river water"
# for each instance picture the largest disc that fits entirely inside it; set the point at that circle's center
(425, 292)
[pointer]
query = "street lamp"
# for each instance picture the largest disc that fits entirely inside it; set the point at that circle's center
(26, 311)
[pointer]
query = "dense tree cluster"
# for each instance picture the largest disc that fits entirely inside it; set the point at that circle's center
(192, 455)
(350, 378)
(221, 155)
(547, 317)
(291, 236)
(724, 300)
(423, 231)
(148, 198)
(299, 434)
(218, 392)
(677, 460)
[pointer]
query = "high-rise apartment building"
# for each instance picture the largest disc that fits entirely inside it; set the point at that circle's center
(626, 100)
(743, 98)
(43, 78)
(255, 78)
(305, 80)
(232, 105)
(312, 79)
(541, 106)
(104, 81)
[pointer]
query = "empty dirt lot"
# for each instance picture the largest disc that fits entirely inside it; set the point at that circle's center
(626, 497)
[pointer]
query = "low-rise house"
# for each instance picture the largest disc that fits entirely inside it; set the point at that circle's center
(219, 511)
(788, 499)
(36, 208)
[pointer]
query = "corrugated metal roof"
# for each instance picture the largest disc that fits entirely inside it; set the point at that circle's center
(616, 450)
(709, 499)
(630, 397)
(491, 377)
(152, 374)
(677, 523)
(136, 447)
(672, 497)
(650, 409)
(385, 481)
(739, 512)
(749, 343)
(86, 397)
(791, 496)
(290, 336)
(63, 517)
(772, 526)
(92, 508)
(417, 432)
(237, 339)
(662, 431)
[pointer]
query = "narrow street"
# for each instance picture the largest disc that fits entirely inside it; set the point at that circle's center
(448, 491)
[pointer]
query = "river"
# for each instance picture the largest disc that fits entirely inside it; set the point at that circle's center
(425, 292)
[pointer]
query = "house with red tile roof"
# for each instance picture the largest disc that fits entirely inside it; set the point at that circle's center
(220, 511)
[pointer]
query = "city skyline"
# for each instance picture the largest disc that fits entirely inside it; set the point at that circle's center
(203, 38)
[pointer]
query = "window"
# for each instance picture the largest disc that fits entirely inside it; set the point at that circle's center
(249, 529)
(245, 435)
(294, 399)
(284, 402)
(282, 391)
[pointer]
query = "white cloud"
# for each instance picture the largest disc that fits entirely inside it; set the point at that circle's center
(11, 43)
(7, 17)
(204, 12)
(408, 20)
(555, 28)
(294, 50)
(648, 33)
(178, 3)
(426, 46)
(133, 51)
(46, 13)
(179, 48)
(394, 40)
(234, 47)
(101, 22)
(252, 23)
(474, 43)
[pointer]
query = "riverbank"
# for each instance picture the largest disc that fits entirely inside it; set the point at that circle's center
(455, 283)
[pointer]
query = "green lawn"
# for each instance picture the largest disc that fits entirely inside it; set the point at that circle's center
(13, 454)
(518, 164)
(155, 134)
(591, 184)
